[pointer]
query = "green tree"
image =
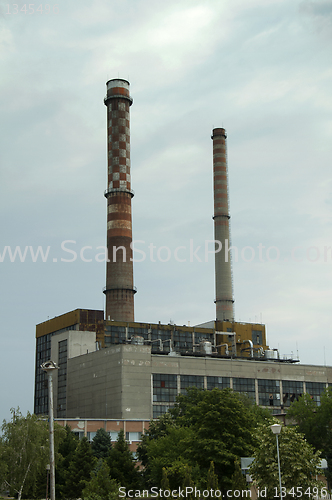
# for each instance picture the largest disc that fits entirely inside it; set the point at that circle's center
(3, 467)
(80, 468)
(204, 426)
(67, 448)
(238, 480)
(172, 452)
(24, 450)
(101, 486)
(180, 474)
(298, 462)
(315, 422)
(188, 483)
(212, 479)
(101, 444)
(223, 427)
(304, 412)
(38, 488)
(164, 480)
(122, 465)
(157, 429)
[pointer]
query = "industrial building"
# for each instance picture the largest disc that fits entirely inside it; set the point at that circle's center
(117, 373)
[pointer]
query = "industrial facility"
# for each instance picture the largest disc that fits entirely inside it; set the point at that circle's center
(116, 373)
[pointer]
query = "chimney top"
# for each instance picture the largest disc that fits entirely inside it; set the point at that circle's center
(218, 132)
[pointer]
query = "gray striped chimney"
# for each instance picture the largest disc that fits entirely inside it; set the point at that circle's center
(223, 266)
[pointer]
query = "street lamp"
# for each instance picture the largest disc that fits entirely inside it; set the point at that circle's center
(49, 367)
(276, 429)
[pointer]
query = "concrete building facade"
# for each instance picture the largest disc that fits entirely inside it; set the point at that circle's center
(125, 371)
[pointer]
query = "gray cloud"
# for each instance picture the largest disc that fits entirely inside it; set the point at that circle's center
(259, 69)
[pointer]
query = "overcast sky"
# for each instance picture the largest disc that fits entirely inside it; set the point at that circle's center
(260, 68)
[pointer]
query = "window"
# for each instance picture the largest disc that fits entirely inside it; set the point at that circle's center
(62, 378)
(219, 382)
(269, 392)
(115, 334)
(182, 341)
(315, 390)
(164, 387)
(90, 435)
(133, 436)
(246, 385)
(159, 410)
(79, 434)
(191, 381)
(43, 353)
(201, 337)
(164, 335)
(257, 337)
(292, 390)
(113, 435)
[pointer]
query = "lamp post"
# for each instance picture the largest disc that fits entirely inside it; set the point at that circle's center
(276, 429)
(49, 367)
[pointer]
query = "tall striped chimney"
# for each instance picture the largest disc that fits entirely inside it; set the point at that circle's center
(119, 288)
(223, 267)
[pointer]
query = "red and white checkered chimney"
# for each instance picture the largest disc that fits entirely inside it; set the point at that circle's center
(119, 288)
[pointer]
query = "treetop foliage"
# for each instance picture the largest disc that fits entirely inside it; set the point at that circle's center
(298, 461)
(197, 443)
(80, 468)
(101, 486)
(25, 451)
(122, 465)
(101, 444)
(315, 422)
(204, 426)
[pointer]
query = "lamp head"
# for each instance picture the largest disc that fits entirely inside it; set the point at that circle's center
(49, 366)
(276, 428)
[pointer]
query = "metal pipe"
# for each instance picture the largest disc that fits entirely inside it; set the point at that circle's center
(159, 341)
(279, 467)
(226, 350)
(251, 347)
(276, 429)
(49, 367)
(51, 426)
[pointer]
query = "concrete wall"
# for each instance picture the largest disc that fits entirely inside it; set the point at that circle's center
(187, 365)
(78, 343)
(116, 382)
(110, 383)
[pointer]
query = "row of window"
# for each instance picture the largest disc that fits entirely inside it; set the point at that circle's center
(62, 378)
(165, 388)
(130, 436)
(43, 353)
(182, 340)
